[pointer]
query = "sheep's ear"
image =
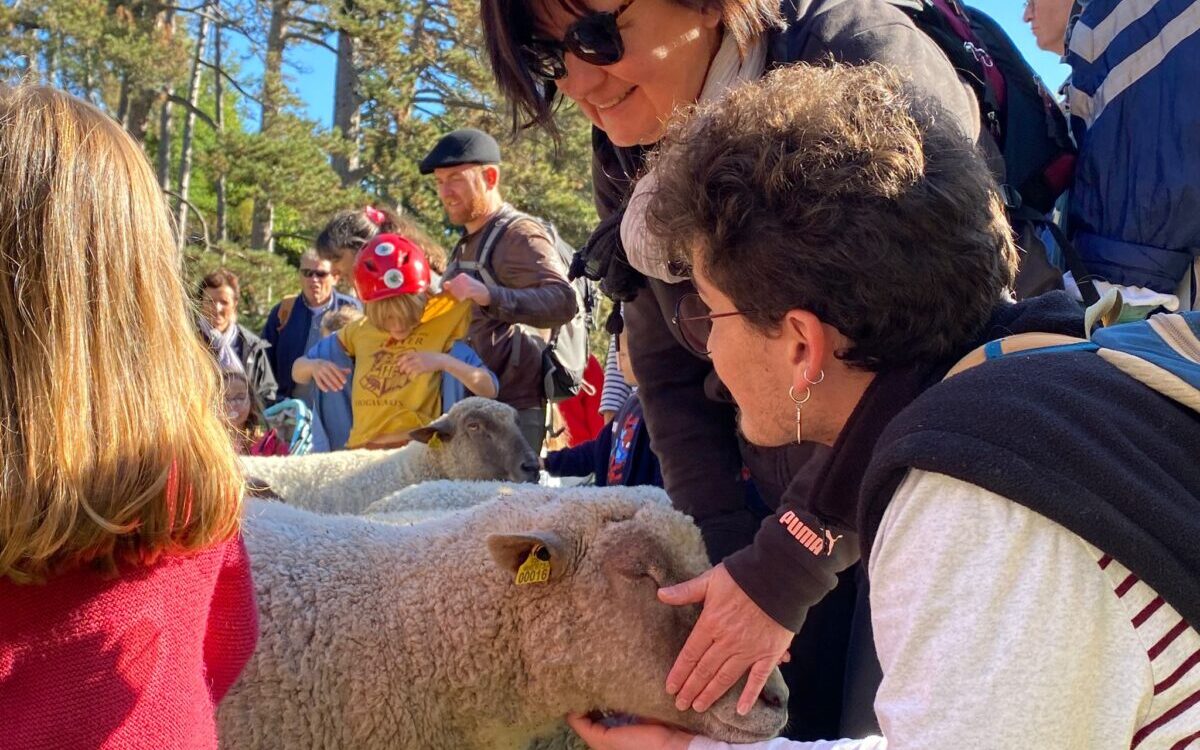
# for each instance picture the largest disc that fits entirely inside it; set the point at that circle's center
(439, 430)
(535, 557)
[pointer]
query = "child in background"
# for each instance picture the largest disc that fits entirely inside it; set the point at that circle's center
(251, 432)
(333, 410)
(398, 349)
(620, 454)
(128, 609)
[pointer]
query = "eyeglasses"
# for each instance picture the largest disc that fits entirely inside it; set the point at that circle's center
(312, 273)
(593, 38)
(694, 319)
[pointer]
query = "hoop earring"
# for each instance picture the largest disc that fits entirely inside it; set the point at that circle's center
(820, 377)
(800, 402)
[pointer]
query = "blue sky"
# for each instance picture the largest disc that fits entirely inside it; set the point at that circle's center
(312, 67)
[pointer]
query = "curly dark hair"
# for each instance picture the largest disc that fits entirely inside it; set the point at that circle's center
(831, 189)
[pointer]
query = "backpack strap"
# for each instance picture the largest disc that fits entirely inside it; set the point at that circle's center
(286, 305)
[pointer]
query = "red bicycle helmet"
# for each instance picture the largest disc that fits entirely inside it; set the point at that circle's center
(389, 266)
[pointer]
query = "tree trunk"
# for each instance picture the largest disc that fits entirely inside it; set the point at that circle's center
(164, 122)
(263, 225)
(219, 119)
(347, 106)
(189, 122)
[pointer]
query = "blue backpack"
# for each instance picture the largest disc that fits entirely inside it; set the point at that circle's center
(1162, 352)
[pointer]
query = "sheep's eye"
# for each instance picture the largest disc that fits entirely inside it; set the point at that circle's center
(474, 426)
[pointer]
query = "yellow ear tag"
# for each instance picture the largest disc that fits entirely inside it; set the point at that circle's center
(435, 441)
(536, 568)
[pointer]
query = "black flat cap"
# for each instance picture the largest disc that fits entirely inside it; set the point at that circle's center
(466, 146)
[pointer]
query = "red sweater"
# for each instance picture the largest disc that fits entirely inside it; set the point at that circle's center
(581, 412)
(139, 661)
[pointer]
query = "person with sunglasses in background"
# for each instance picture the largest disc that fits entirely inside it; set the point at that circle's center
(293, 328)
(630, 65)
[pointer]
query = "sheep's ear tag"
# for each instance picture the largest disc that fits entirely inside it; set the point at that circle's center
(536, 568)
(435, 441)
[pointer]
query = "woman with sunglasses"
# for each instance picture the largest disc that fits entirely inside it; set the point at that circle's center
(235, 346)
(628, 65)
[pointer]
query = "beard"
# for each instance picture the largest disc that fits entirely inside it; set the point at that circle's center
(465, 213)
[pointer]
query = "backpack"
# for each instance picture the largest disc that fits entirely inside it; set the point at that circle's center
(1162, 352)
(1026, 124)
(286, 305)
(565, 355)
(290, 422)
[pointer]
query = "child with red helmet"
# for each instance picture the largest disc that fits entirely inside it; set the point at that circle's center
(402, 349)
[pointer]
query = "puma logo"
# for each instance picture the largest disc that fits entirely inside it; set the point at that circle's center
(831, 540)
(811, 541)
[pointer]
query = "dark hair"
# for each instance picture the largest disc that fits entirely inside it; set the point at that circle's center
(830, 189)
(219, 278)
(351, 229)
(508, 24)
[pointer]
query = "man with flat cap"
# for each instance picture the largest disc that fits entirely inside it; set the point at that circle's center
(507, 265)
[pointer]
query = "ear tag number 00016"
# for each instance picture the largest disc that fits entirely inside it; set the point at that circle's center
(536, 568)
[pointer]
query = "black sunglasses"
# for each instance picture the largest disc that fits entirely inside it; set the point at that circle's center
(593, 38)
(312, 273)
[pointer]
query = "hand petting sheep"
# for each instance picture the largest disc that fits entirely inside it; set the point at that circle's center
(478, 630)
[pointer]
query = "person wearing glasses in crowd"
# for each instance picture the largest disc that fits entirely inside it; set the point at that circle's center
(628, 65)
(293, 328)
(1048, 19)
(1028, 523)
(235, 346)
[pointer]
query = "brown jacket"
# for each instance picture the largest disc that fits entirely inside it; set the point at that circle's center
(531, 297)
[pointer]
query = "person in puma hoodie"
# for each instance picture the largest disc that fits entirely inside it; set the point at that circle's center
(1028, 525)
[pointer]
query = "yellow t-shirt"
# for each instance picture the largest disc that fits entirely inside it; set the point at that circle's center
(386, 403)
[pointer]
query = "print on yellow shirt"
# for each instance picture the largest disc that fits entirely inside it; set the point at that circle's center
(386, 403)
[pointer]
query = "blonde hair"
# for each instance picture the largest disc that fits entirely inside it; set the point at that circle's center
(405, 309)
(105, 458)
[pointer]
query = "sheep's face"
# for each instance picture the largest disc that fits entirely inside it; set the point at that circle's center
(481, 440)
(621, 641)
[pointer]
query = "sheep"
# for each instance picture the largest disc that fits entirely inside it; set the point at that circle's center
(434, 499)
(477, 439)
(374, 635)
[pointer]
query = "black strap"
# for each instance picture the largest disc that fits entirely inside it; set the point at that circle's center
(1083, 278)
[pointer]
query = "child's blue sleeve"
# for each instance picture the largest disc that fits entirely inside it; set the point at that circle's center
(453, 390)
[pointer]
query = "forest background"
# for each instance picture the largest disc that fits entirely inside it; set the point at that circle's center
(212, 91)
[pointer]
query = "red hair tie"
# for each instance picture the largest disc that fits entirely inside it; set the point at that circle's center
(375, 216)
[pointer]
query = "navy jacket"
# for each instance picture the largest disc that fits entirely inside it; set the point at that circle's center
(619, 455)
(288, 345)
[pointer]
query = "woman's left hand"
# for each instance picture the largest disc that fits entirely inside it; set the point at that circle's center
(632, 737)
(731, 637)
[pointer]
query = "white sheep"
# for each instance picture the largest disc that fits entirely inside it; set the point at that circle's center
(429, 500)
(477, 439)
(374, 635)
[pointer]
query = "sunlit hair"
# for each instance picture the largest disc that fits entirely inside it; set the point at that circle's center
(351, 229)
(112, 451)
(404, 309)
(219, 278)
(335, 320)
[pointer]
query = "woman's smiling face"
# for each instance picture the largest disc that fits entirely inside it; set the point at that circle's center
(668, 48)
